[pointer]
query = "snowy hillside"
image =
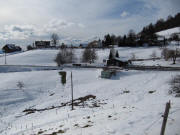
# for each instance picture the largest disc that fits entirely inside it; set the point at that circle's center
(46, 57)
(130, 103)
(34, 57)
(168, 32)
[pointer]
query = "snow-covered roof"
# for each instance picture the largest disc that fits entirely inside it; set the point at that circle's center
(11, 46)
(123, 59)
(167, 33)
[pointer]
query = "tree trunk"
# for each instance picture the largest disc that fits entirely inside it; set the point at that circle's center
(174, 59)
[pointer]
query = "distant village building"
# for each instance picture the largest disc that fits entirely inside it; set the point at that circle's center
(95, 44)
(8, 48)
(42, 44)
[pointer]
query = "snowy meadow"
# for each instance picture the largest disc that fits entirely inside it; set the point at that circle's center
(130, 103)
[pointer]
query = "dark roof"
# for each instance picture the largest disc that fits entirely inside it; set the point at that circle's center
(11, 46)
(42, 43)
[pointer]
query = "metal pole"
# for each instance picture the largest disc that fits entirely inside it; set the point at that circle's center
(5, 57)
(72, 92)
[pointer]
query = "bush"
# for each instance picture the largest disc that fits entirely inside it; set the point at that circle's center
(65, 56)
(133, 56)
(175, 85)
(20, 85)
(153, 55)
(29, 47)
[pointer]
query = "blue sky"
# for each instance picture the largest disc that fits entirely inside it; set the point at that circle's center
(24, 21)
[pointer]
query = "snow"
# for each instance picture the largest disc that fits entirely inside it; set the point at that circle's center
(129, 110)
(46, 57)
(160, 62)
(34, 57)
(167, 33)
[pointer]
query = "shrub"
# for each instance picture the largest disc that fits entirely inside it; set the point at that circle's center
(133, 56)
(153, 55)
(29, 47)
(175, 85)
(20, 85)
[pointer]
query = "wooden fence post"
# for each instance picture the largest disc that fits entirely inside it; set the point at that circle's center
(165, 116)
(72, 91)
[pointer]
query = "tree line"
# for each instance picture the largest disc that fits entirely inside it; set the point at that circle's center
(146, 36)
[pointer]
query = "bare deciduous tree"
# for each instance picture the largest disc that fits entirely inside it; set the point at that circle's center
(65, 56)
(54, 39)
(89, 55)
(164, 53)
(170, 54)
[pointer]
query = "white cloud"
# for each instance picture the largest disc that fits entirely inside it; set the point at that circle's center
(78, 19)
(17, 32)
(22, 32)
(124, 14)
(57, 24)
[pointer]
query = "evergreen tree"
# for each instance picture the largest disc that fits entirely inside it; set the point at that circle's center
(112, 53)
(124, 40)
(131, 39)
(117, 54)
(107, 40)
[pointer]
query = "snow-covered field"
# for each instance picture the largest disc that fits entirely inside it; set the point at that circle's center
(34, 57)
(46, 57)
(125, 113)
(130, 103)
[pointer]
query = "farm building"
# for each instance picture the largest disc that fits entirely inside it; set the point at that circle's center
(42, 44)
(114, 59)
(8, 48)
(118, 62)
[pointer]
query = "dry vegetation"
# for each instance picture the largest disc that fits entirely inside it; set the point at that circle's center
(175, 86)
